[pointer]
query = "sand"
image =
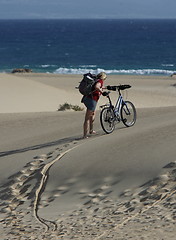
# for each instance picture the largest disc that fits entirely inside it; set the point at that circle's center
(56, 185)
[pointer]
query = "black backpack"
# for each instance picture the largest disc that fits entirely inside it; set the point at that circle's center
(87, 84)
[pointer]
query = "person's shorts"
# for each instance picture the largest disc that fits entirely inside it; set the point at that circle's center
(89, 103)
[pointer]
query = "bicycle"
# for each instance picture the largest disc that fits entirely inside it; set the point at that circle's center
(124, 111)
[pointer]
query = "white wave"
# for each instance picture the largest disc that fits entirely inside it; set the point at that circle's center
(88, 66)
(47, 65)
(77, 70)
(167, 65)
(142, 71)
(115, 71)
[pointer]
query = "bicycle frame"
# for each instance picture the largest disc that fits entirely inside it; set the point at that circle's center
(120, 101)
(118, 105)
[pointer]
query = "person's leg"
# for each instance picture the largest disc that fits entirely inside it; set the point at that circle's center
(88, 122)
(89, 116)
(92, 119)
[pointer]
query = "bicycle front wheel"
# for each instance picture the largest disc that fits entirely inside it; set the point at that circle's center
(128, 114)
(107, 120)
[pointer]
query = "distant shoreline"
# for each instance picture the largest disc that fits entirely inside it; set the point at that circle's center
(68, 71)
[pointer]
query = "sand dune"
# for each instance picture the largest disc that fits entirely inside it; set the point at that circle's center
(45, 92)
(20, 94)
(55, 185)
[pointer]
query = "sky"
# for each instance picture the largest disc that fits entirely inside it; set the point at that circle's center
(51, 9)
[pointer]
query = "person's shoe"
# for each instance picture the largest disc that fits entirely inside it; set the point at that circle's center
(85, 137)
(92, 132)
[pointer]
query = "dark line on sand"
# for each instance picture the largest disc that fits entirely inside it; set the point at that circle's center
(39, 146)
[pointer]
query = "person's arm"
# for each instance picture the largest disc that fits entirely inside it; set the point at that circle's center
(98, 87)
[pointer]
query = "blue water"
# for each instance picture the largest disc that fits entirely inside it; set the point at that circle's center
(78, 46)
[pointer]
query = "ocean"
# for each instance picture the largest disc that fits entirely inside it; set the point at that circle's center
(79, 46)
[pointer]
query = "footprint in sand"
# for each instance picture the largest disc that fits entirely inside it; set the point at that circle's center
(41, 157)
(21, 178)
(26, 172)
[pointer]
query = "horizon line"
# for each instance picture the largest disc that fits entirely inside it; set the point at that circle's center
(89, 18)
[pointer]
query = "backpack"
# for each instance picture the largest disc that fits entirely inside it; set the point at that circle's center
(87, 83)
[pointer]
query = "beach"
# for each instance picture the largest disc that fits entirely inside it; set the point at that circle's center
(56, 185)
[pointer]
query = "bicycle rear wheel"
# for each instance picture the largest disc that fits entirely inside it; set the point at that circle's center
(128, 114)
(107, 120)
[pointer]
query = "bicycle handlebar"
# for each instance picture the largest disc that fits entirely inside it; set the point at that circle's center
(119, 87)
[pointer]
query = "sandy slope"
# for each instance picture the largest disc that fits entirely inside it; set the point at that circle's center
(45, 92)
(20, 94)
(53, 181)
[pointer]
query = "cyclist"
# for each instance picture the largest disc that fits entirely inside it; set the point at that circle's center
(90, 102)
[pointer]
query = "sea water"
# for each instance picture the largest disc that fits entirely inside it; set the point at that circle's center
(80, 46)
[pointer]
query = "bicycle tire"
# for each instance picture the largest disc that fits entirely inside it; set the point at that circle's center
(107, 120)
(128, 114)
